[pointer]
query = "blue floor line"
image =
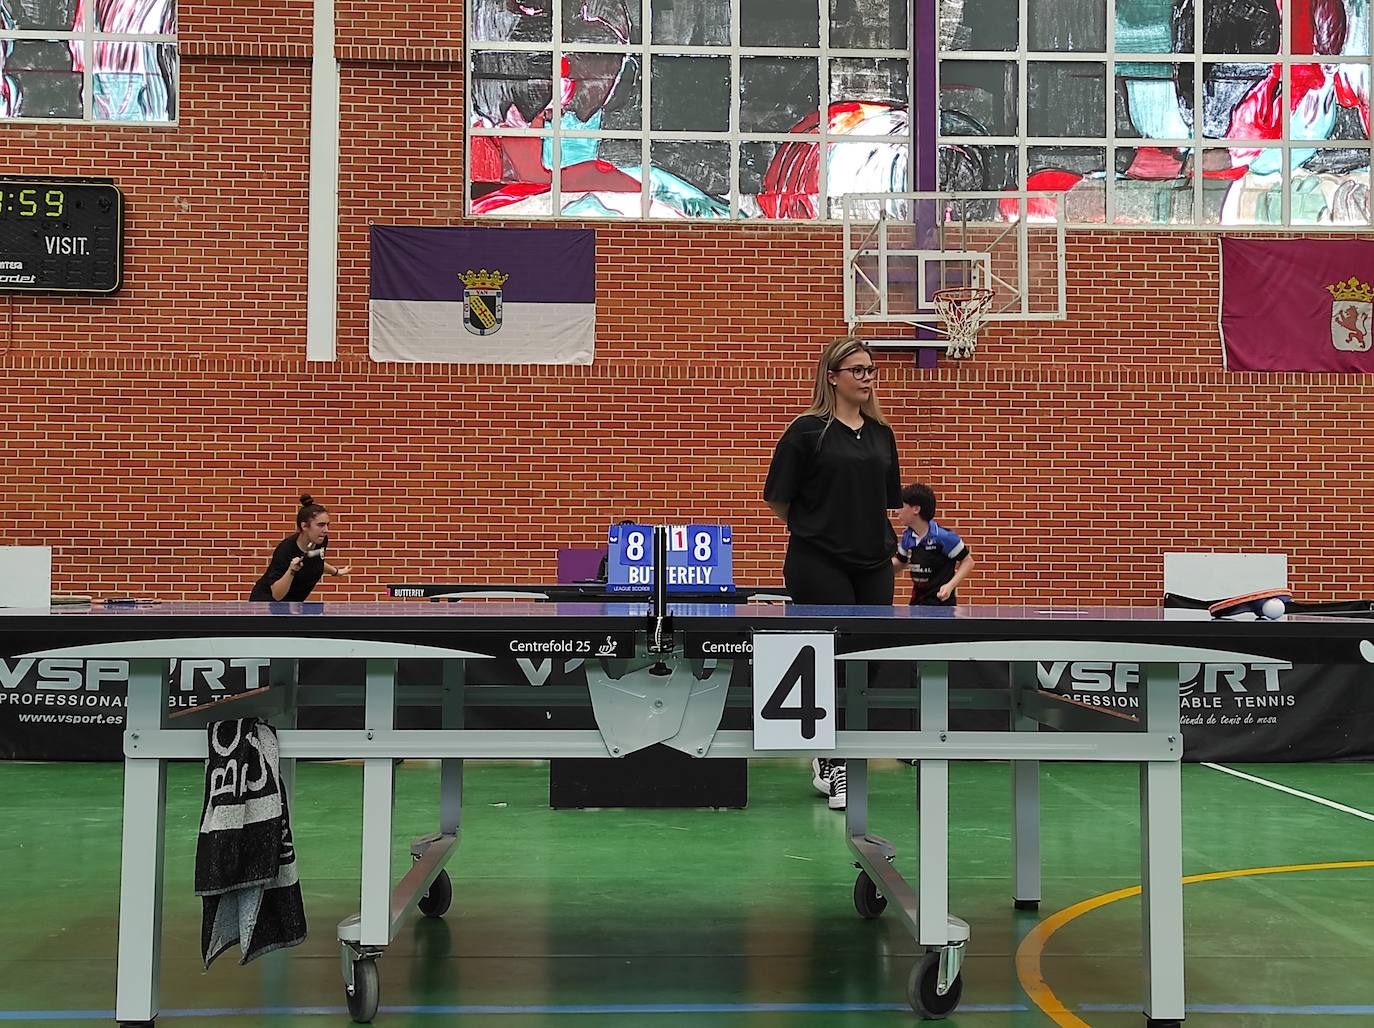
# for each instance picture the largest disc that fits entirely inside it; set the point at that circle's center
(1335, 1010)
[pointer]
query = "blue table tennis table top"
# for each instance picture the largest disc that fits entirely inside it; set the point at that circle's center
(698, 627)
(761, 613)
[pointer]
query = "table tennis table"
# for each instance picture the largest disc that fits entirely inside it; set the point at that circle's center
(674, 697)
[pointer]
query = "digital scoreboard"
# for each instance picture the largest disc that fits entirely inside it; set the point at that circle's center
(60, 236)
(700, 559)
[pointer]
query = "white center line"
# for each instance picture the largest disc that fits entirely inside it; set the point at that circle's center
(1292, 792)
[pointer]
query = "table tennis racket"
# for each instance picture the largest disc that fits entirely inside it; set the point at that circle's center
(1248, 603)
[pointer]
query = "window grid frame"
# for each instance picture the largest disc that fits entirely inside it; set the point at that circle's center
(1199, 144)
(645, 51)
(88, 36)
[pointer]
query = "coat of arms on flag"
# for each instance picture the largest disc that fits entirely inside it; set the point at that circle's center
(482, 301)
(1352, 304)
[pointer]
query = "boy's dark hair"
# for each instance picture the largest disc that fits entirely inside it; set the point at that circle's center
(922, 497)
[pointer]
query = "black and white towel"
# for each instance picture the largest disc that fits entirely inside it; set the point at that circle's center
(245, 860)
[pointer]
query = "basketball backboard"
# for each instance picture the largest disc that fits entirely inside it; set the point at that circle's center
(902, 248)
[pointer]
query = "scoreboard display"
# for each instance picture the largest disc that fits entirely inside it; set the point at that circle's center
(700, 559)
(60, 236)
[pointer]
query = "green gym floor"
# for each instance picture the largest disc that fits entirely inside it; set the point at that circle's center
(722, 919)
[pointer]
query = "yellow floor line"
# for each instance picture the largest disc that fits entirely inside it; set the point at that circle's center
(1032, 947)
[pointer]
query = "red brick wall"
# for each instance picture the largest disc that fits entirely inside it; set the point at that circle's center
(157, 439)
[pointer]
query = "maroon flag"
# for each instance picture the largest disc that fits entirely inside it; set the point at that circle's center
(1297, 304)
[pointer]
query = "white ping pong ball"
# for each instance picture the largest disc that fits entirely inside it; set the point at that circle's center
(1273, 608)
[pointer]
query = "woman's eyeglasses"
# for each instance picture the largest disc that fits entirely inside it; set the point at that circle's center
(862, 371)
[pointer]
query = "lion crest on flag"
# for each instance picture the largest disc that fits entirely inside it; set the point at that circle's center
(1352, 305)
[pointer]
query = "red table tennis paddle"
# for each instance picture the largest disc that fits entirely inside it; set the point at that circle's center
(1249, 603)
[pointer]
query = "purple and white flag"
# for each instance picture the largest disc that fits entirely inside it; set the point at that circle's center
(482, 295)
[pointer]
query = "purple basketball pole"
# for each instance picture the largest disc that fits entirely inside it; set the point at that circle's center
(925, 131)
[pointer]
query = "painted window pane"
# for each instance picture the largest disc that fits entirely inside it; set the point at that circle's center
(1146, 27)
(690, 94)
(777, 93)
(511, 89)
(134, 82)
(1249, 197)
(779, 180)
(1217, 179)
(602, 91)
(1066, 98)
(778, 23)
(689, 179)
(1154, 163)
(136, 17)
(606, 185)
(42, 78)
(498, 21)
(506, 172)
(40, 15)
(602, 182)
(1330, 27)
(971, 168)
(1330, 101)
(1067, 25)
(979, 24)
(600, 21)
(865, 168)
(1078, 171)
(1164, 201)
(1147, 103)
(1233, 26)
(859, 118)
(1241, 101)
(691, 23)
(861, 78)
(869, 25)
(1330, 188)
(982, 94)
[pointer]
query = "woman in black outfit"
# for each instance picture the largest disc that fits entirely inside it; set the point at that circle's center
(835, 474)
(298, 562)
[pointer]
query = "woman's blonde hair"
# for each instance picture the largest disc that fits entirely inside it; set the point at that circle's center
(823, 395)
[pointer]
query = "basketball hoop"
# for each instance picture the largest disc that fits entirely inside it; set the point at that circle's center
(963, 312)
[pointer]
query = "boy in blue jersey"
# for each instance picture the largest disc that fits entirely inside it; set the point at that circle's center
(936, 557)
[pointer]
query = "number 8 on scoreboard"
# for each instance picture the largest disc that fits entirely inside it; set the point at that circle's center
(700, 559)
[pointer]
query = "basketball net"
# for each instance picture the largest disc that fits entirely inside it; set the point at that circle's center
(962, 311)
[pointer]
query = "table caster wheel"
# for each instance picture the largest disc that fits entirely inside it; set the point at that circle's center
(436, 901)
(365, 993)
(922, 989)
(868, 901)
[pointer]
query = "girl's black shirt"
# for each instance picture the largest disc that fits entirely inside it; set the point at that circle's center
(312, 569)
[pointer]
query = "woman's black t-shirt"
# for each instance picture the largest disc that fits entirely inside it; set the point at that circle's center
(839, 485)
(312, 569)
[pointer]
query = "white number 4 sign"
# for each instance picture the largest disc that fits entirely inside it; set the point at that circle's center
(794, 691)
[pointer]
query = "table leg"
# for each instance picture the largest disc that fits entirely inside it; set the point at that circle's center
(1161, 855)
(141, 859)
(1025, 793)
(379, 781)
(932, 813)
